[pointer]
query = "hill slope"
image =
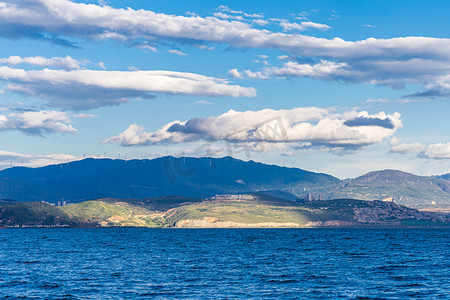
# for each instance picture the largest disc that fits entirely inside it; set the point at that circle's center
(33, 214)
(192, 177)
(259, 212)
(406, 189)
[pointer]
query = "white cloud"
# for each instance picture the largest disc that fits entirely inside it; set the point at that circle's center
(255, 75)
(235, 74)
(191, 14)
(9, 159)
(221, 15)
(322, 70)
(420, 71)
(84, 116)
(37, 122)
(247, 74)
(204, 47)
(378, 100)
(394, 62)
(289, 153)
(407, 148)
(288, 26)
(177, 52)
(92, 21)
(147, 47)
(260, 22)
(394, 141)
(67, 62)
(92, 88)
(273, 129)
(238, 12)
(229, 10)
(203, 102)
(436, 151)
(101, 65)
(433, 151)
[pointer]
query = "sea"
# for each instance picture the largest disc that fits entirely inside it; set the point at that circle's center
(134, 263)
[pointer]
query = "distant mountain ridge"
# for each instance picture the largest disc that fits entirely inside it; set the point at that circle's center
(444, 176)
(205, 177)
(404, 188)
(133, 179)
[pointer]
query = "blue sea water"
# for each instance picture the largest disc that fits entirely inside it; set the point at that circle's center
(129, 263)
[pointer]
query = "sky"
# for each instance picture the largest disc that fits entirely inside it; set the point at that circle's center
(340, 87)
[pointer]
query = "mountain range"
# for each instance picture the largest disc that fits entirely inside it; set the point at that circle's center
(205, 177)
(423, 192)
(133, 179)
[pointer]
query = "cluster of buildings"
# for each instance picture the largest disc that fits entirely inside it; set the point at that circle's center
(313, 197)
(59, 203)
(232, 197)
(62, 203)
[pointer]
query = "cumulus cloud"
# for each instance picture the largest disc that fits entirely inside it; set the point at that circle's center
(37, 122)
(9, 159)
(90, 88)
(433, 151)
(247, 74)
(270, 129)
(67, 62)
(436, 151)
(235, 73)
(405, 148)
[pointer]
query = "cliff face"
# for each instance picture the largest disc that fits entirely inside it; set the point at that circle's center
(209, 223)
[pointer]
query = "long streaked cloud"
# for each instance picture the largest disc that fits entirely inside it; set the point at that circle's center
(90, 88)
(66, 62)
(69, 19)
(37, 122)
(9, 159)
(394, 62)
(279, 129)
(430, 73)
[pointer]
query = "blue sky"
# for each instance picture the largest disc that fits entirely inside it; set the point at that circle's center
(342, 87)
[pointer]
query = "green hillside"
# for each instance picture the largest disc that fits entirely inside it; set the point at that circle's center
(240, 212)
(255, 211)
(113, 214)
(33, 214)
